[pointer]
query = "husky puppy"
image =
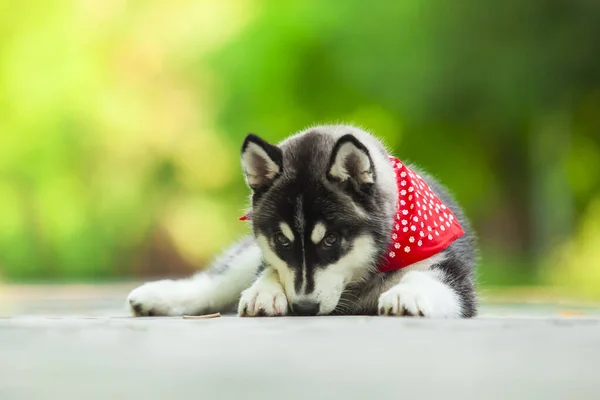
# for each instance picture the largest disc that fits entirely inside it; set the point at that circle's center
(339, 226)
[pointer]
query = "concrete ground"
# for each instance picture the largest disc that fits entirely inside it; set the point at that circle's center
(79, 343)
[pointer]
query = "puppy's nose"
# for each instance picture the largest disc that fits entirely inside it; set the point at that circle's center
(306, 308)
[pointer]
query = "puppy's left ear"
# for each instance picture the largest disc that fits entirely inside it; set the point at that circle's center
(351, 163)
(262, 162)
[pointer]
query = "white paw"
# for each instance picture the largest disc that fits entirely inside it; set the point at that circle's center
(420, 293)
(156, 298)
(262, 299)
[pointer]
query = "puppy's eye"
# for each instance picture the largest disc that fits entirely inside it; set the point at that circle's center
(282, 240)
(330, 239)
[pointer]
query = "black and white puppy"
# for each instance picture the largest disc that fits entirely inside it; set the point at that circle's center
(339, 226)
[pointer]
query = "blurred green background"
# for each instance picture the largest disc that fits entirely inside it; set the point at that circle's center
(121, 122)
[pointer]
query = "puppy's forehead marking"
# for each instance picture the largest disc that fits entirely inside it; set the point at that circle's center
(300, 222)
(287, 231)
(318, 232)
(299, 217)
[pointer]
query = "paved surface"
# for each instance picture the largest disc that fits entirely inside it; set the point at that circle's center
(87, 348)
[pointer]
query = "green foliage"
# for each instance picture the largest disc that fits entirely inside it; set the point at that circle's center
(120, 123)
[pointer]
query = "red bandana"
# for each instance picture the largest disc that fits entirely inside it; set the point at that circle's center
(423, 225)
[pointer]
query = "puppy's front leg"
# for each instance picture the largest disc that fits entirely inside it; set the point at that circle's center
(265, 297)
(421, 293)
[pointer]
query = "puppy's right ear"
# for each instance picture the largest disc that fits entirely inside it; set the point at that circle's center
(262, 162)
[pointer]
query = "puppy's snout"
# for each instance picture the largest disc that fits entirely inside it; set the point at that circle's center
(306, 308)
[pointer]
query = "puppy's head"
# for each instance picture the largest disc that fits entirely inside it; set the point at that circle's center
(315, 214)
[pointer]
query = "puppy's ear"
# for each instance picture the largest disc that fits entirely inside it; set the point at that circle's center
(351, 164)
(262, 162)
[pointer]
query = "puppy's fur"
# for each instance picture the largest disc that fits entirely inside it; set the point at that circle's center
(322, 208)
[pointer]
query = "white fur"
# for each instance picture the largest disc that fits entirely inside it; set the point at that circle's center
(200, 293)
(426, 264)
(265, 295)
(421, 292)
(287, 231)
(318, 232)
(286, 276)
(248, 162)
(339, 170)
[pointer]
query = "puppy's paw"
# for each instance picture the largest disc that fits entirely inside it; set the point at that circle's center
(263, 300)
(420, 293)
(155, 299)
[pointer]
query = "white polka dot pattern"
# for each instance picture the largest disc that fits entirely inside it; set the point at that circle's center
(423, 225)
